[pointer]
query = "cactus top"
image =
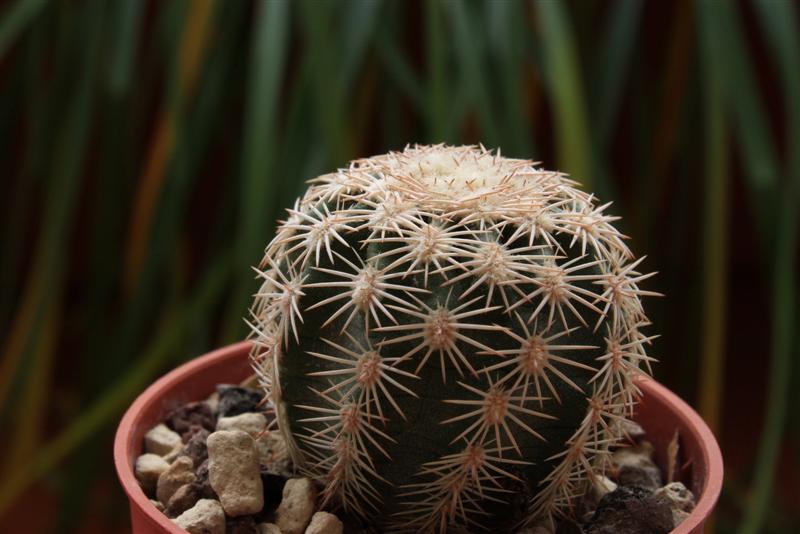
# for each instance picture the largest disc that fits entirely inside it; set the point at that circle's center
(455, 181)
(443, 332)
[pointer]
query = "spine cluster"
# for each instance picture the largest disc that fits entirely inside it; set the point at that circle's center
(443, 329)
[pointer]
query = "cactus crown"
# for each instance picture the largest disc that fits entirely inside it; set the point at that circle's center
(449, 338)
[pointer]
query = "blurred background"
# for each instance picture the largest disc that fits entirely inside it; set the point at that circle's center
(148, 148)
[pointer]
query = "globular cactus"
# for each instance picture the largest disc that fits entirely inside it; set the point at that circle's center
(449, 338)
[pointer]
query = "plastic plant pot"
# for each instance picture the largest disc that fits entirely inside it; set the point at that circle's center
(660, 412)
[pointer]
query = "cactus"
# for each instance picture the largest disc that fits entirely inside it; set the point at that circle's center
(449, 339)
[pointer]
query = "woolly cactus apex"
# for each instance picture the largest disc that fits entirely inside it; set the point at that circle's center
(449, 338)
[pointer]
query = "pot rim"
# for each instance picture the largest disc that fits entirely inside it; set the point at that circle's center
(124, 445)
(124, 439)
(694, 425)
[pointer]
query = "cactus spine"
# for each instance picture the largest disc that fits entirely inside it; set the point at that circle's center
(449, 338)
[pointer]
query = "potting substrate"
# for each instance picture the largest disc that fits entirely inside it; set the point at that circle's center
(220, 466)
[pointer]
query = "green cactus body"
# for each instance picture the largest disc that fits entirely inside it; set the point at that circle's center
(449, 339)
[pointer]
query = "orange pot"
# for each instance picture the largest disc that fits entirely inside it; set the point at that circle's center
(660, 412)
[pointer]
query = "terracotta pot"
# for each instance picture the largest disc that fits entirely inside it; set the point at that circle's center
(660, 412)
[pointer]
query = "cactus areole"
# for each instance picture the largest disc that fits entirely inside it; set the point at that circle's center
(449, 339)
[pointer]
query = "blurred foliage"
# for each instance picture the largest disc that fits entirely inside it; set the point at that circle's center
(149, 147)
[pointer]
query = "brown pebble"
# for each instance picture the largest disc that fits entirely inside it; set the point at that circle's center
(184, 498)
(631, 510)
(182, 418)
(203, 485)
(178, 474)
(148, 469)
(195, 447)
(241, 525)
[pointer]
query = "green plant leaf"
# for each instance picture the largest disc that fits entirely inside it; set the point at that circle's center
(258, 179)
(779, 26)
(469, 44)
(506, 26)
(327, 80)
(752, 128)
(563, 79)
(358, 23)
(715, 220)
(437, 88)
(399, 71)
(126, 23)
(612, 67)
(16, 18)
(164, 346)
(66, 162)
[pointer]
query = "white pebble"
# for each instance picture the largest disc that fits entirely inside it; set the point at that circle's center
(539, 529)
(174, 453)
(205, 517)
(601, 486)
(681, 500)
(161, 440)
(297, 506)
(234, 472)
(325, 523)
(272, 452)
(252, 423)
(268, 528)
(678, 516)
(213, 402)
(176, 475)
(148, 468)
(633, 455)
(681, 497)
